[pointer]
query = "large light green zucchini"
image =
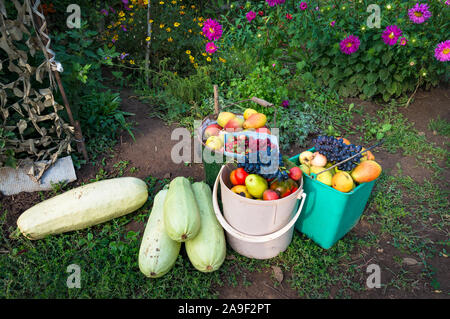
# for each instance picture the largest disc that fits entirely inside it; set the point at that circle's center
(83, 207)
(181, 215)
(158, 252)
(208, 249)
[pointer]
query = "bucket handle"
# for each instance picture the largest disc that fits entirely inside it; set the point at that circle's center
(251, 238)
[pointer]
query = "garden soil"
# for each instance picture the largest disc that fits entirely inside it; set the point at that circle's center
(150, 155)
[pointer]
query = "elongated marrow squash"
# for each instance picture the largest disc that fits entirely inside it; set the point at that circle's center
(181, 214)
(207, 250)
(83, 207)
(158, 252)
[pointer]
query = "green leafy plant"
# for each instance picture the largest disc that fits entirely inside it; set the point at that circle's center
(310, 40)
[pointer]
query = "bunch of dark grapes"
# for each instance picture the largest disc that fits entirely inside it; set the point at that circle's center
(261, 163)
(336, 151)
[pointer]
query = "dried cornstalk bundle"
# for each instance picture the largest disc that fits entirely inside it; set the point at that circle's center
(31, 128)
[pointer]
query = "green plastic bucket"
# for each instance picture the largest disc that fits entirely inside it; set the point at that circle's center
(328, 214)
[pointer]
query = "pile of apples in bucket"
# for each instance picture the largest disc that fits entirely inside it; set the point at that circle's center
(344, 177)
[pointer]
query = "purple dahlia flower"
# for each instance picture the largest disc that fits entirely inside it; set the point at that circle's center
(419, 13)
(442, 51)
(212, 29)
(350, 44)
(273, 3)
(391, 34)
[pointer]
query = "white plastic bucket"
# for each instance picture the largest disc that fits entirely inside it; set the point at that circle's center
(253, 246)
(255, 217)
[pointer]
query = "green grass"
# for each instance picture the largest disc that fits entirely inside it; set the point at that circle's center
(440, 126)
(399, 135)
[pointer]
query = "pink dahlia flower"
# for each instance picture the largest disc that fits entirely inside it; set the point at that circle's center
(403, 41)
(442, 51)
(250, 15)
(350, 44)
(419, 13)
(391, 34)
(212, 29)
(332, 23)
(303, 6)
(211, 47)
(273, 3)
(288, 16)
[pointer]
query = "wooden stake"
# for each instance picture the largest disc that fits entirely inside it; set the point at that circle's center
(216, 99)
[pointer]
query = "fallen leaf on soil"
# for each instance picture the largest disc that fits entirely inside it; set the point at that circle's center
(410, 261)
(278, 273)
(380, 250)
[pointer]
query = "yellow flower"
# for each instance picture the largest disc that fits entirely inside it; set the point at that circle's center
(195, 19)
(147, 39)
(174, 2)
(168, 29)
(131, 61)
(193, 7)
(131, 6)
(188, 52)
(161, 26)
(170, 39)
(182, 7)
(196, 65)
(132, 14)
(151, 21)
(200, 24)
(121, 14)
(208, 59)
(200, 19)
(131, 20)
(176, 24)
(110, 26)
(182, 12)
(204, 53)
(222, 60)
(190, 30)
(161, 2)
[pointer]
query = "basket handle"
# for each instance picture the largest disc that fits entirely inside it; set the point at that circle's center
(255, 99)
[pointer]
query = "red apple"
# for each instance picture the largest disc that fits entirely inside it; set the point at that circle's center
(212, 130)
(234, 125)
(270, 195)
(295, 173)
(238, 176)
